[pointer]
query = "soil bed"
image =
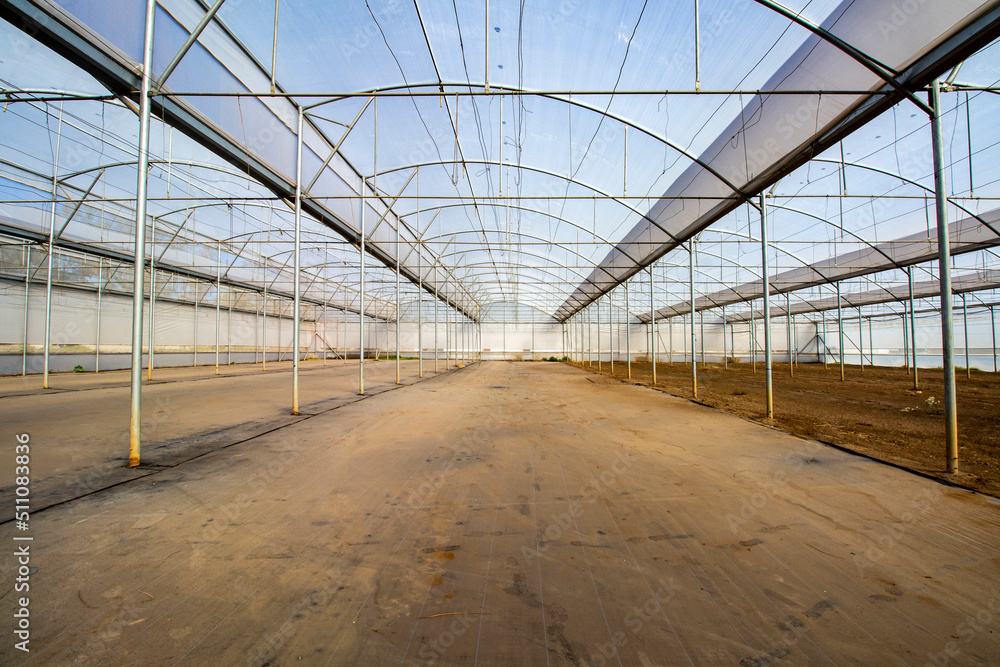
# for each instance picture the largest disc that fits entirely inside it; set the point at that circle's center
(874, 412)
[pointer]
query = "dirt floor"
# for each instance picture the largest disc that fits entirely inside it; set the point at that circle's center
(186, 413)
(501, 514)
(875, 412)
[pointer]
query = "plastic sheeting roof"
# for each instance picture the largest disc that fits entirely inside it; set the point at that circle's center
(564, 181)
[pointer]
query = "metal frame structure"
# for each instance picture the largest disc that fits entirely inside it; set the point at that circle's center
(501, 259)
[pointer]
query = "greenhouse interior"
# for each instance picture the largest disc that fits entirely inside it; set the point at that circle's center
(553, 332)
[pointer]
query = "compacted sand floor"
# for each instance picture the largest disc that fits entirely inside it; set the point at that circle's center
(504, 513)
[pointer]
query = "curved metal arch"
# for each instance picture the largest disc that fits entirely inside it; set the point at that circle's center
(529, 209)
(483, 248)
(588, 107)
(187, 163)
(586, 186)
(750, 238)
(476, 268)
(515, 233)
(282, 252)
(908, 181)
(826, 280)
(491, 305)
(529, 254)
(895, 264)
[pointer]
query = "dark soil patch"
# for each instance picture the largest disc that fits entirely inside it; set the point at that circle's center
(874, 412)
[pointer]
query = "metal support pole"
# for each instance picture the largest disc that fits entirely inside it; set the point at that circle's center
(765, 271)
(229, 325)
(725, 351)
(100, 291)
(152, 296)
(361, 292)
(135, 401)
(993, 327)
(826, 348)
(628, 334)
(906, 344)
(597, 307)
(297, 250)
(795, 343)
(694, 337)
(420, 312)
(861, 339)
(27, 280)
(218, 302)
(274, 45)
(263, 331)
(652, 325)
(965, 327)
(913, 331)
(611, 331)
(324, 334)
(944, 261)
(397, 301)
(840, 330)
(50, 260)
(788, 316)
(670, 340)
(701, 334)
(871, 343)
(697, 45)
(196, 301)
(436, 354)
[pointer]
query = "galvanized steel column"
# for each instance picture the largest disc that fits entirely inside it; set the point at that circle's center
(296, 264)
(944, 270)
(652, 325)
(965, 338)
(263, 330)
(597, 307)
(51, 255)
(628, 334)
(993, 327)
(100, 290)
(397, 301)
(27, 279)
(218, 301)
(152, 296)
(788, 315)
(611, 327)
(725, 350)
(135, 402)
(768, 381)
(694, 337)
(840, 330)
(913, 331)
